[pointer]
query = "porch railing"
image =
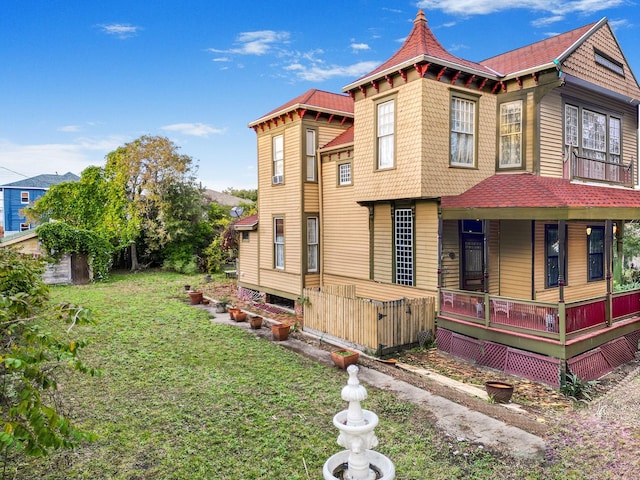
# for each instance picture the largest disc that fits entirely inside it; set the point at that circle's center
(550, 320)
(601, 170)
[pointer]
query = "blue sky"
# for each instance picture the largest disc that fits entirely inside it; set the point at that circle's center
(79, 78)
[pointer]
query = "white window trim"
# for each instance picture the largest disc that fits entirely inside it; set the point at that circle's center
(22, 193)
(511, 134)
(385, 134)
(462, 149)
(278, 245)
(346, 178)
(310, 155)
(404, 246)
(278, 159)
(313, 244)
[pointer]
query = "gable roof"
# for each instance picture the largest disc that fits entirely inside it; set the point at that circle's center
(422, 46)
(542, 54)
(313, 99)
(541, 198)
(44, 181)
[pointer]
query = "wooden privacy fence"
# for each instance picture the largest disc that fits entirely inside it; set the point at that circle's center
(336, 311)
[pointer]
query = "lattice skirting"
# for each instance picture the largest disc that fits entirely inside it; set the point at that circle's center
(250, 295)
(590, 365)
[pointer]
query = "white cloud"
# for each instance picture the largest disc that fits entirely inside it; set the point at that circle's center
(69, 128)
(543, 22)
(256, 43)
(482, 7)
(193, 129)
(120, 30)
(358, 47)
(616, 24)
(36, 159)
(318, 73)
(221, 59)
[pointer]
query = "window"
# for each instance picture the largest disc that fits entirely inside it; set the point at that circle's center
(278, 159)
(312, 244)
(311, 155)
(245, 236)
(344, 174)
(386, 128)
(608, 62)
(595, 252)
(24, 227)
(552, 254)
(24, 197)
(463, 119)
(278, 242)
(511, 134)
(403, 232)
(596, 135)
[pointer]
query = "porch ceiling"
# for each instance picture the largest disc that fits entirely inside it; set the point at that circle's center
(531, 197)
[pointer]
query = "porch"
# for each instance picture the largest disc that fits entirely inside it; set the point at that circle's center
(592, 336)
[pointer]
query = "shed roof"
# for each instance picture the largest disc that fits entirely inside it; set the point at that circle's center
(531, 196)
(344, 138)
(247, 223)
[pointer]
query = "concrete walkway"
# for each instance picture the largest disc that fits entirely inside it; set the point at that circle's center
(454, 419)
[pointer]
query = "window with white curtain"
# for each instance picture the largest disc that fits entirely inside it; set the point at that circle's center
(511, 134)
(386, 131)
(312, 244)
(278, 159)
(278, 242)
(311, 155)
(463, 120)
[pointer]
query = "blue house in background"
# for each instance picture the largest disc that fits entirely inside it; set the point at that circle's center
(17, 195)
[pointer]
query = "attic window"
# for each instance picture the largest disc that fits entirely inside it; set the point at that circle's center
(607, 62)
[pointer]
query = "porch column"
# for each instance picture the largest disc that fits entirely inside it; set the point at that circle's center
(608, 246)
(485, 260)
(562, 254)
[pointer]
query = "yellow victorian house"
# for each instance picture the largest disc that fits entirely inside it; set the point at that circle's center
(498, 190)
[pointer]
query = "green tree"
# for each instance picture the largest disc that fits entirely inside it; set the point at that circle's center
(31, 359)
(143, 174)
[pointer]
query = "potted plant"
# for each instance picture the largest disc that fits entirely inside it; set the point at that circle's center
(240, 316)
(195, 297)
(499, 392)
(343, 358)
(280, 331)
(255, 321)
(232, 312)
(221, 306)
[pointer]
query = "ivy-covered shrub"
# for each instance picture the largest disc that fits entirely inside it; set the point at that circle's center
(31, 360)
(58, 238)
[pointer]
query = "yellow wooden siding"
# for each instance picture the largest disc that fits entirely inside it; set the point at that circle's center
(421, 143)
(582, 64)
(312, 280)
(450, 254)
(551, 135)
(248, 259)
(494, 257)
(311, 197)
(515, 258)
(344, 234)
(377, 290)
(382, 239)
(426, 245)
(578, 287)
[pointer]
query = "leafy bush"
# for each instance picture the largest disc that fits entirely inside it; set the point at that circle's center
(578, 389)
(30, 359)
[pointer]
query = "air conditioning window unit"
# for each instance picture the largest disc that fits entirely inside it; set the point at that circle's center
(278, 179)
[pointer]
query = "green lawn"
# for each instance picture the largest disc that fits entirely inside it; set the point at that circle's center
(184, 398)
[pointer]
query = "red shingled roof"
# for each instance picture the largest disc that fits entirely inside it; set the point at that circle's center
(249, 221)
(539, 53)
(532, 191)
(315, 98)
(422, 42)
(344, 137)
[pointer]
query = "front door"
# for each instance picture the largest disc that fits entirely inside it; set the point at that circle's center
(472, 261)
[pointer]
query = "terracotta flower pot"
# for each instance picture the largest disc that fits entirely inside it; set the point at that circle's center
(499, 392)
(240, 316)
(343, 358)
(232, 313)
(195, 298)
(255, 321)
(280, 331)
